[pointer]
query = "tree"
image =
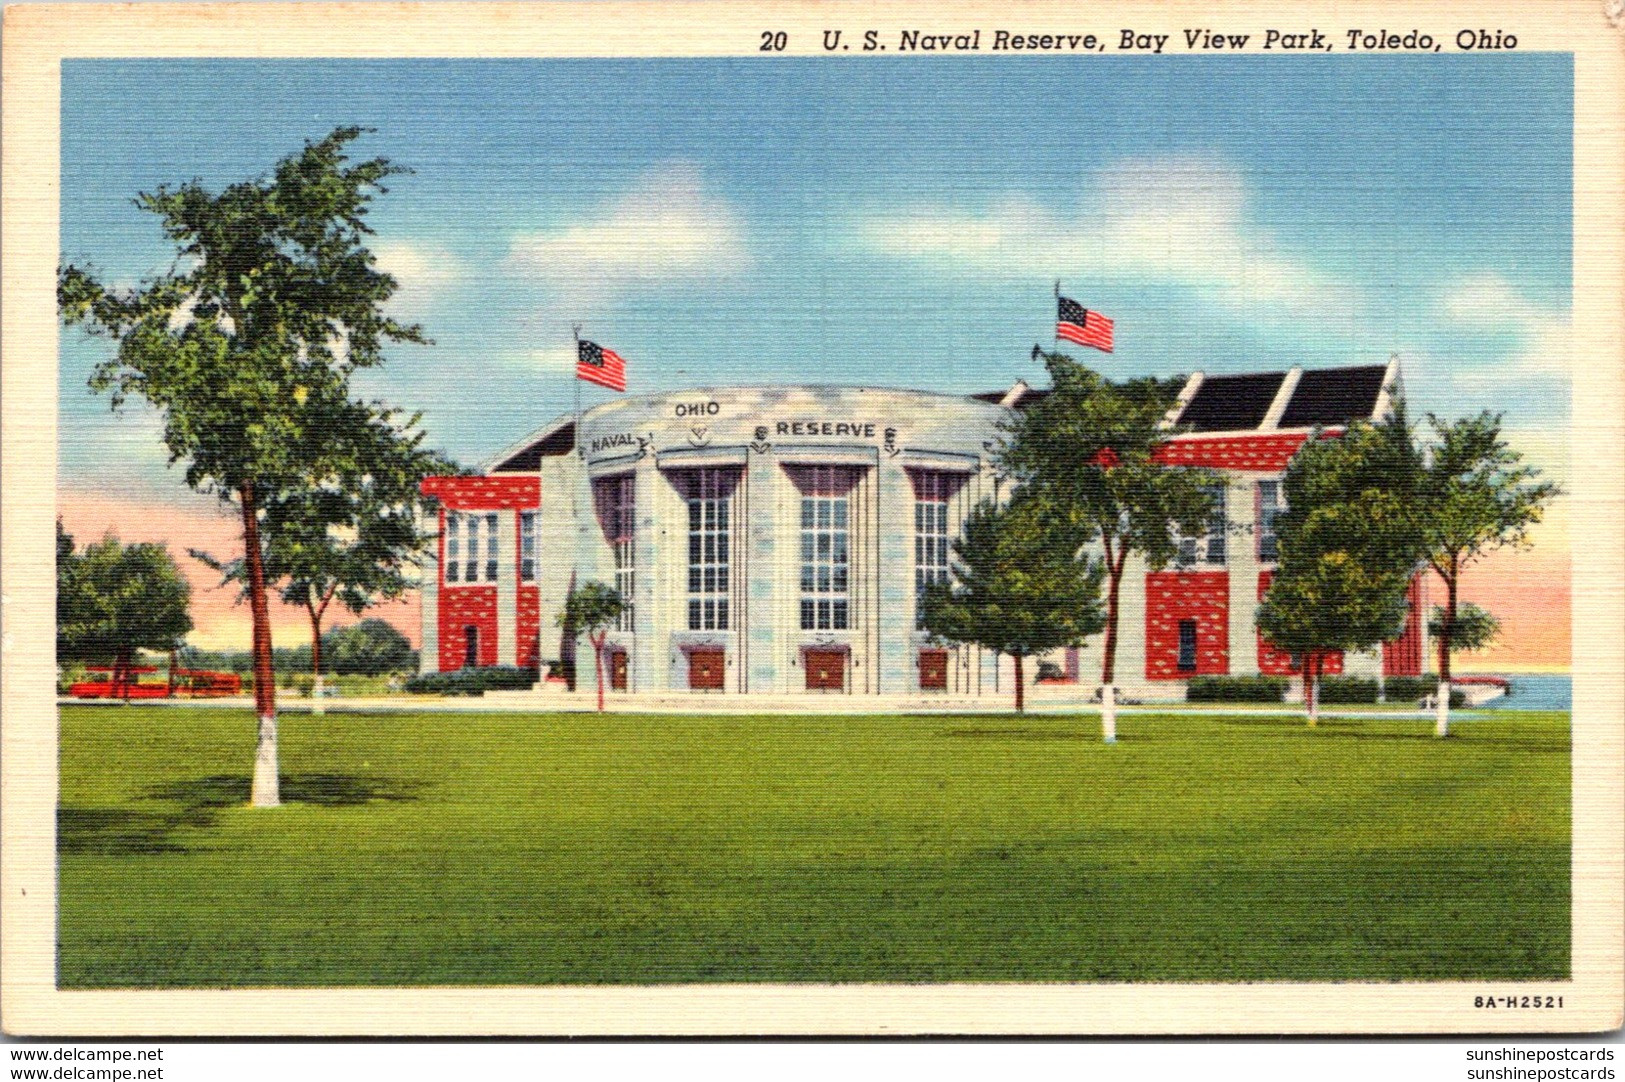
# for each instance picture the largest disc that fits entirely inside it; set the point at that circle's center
(1088, 450)
(246, 345)
(1475, 496)
(1349, 545)
(372, 647)
(590, 609)
(353, 536)
(1021, 585)
(113, 600)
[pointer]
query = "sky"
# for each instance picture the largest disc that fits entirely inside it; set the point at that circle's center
(896, 223)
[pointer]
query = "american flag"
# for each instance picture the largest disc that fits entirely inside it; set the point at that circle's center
(595, 364)
(1077, 324)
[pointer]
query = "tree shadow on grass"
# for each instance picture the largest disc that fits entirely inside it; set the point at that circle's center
(134, 832)
(324, 790)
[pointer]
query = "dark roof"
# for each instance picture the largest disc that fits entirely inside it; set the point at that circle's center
(558, 442)
(1231, 403)
(1334, 396)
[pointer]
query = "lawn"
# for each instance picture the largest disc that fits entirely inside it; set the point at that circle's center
(425, 848)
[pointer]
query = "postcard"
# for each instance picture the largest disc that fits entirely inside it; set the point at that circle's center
(817, 518)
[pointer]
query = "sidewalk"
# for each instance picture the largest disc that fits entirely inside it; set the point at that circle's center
(621, 703)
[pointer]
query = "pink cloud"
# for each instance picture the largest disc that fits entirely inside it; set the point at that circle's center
(189, 521)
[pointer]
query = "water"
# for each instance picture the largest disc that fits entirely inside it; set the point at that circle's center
(1537, 691)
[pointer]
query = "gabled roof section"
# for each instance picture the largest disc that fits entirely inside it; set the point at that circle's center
(1231, 403)
(1334, 396)
(558, 437)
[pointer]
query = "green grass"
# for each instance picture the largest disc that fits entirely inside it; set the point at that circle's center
(425, 848)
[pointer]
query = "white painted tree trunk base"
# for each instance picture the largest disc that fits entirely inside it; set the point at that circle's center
(266, 791)
(1108, 714)
(1441, 710)
(318, 704)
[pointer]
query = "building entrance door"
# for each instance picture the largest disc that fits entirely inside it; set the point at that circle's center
(617, 670)
(933, 670)
(471, 647)
(705, 669)
(826, 670)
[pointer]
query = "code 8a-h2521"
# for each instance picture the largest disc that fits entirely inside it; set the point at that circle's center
(1518, 1002)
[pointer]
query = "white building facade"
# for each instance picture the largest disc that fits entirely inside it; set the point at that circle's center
(774, 540)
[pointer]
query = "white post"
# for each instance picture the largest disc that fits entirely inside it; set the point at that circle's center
(318, 705)
(1441, 710)
(1108, 713)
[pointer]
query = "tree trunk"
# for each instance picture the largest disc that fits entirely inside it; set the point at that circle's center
(1021, 699)
(171, 693)
(317, 704)
(265, 792)
(598, 665)
(121, 673)
(1311, 688)
(1108, 668)
(1441, 709)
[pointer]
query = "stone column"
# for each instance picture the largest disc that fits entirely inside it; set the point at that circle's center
(762, 492)
(893, 658)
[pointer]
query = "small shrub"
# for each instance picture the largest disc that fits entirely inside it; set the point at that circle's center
(1416, 688)
(1347, 689)
(1236, 689)
(472, 681)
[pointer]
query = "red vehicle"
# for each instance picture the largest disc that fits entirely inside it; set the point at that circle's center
(126, 684)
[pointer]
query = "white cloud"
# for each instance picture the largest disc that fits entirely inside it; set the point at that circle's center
(1488, 304)
(1177, 220)
(425, 273)
(666, 226)
(558, 360)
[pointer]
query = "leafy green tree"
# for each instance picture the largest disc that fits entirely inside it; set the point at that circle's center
(1088, 449)
(113, 600)
(1349, 545)
(245, 346)
(1475, 496)
(353, 537)
(1021, 585)
(372, 647)
(590, 610)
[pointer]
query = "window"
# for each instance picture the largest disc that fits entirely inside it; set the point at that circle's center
(616, 515)
(490, 548)
(454, 545)
(932, 491)
(527, 546)
(471, 555)
(710, 497)
(463, 551)
(1187, 646)
(1269, 506)
(1217, 527)
(825, 537)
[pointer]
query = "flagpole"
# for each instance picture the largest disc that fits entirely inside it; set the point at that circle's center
(1057, 338)
(575, 330)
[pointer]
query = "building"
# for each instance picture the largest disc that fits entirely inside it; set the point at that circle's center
(772, 540)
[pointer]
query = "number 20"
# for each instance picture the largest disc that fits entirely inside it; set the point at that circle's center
(774, 41)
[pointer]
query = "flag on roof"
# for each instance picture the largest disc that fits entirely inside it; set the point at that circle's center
(595, 364)
(1077, 324)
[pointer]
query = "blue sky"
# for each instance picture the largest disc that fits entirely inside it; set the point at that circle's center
(896, 222)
